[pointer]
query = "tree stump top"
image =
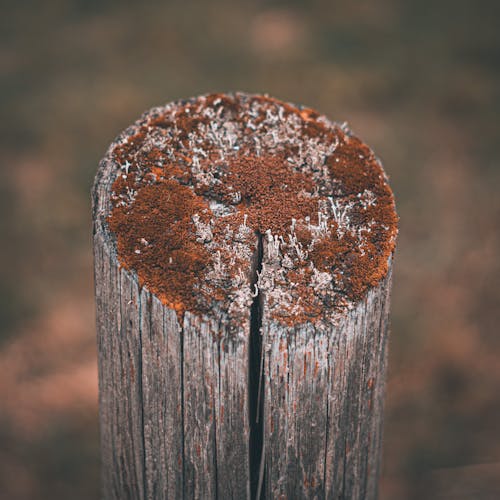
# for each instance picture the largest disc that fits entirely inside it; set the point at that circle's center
(218, 198)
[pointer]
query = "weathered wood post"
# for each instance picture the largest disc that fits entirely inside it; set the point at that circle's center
(243, 251)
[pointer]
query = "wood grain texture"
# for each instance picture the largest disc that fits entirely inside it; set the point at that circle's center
(323, 403)
(173, 399)
(162, 397)
(179, 398)
(120, 385)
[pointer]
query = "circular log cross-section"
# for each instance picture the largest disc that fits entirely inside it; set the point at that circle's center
(243, 251)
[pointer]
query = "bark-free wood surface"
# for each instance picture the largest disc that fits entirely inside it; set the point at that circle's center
(173, 398)
(323, 404)
(191, 409)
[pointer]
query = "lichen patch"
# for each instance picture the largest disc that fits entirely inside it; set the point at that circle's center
(200, 181)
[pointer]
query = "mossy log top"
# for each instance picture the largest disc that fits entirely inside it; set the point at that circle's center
(198, 182)
(243, 251)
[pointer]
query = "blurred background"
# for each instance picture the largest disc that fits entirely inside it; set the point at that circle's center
(418, 80)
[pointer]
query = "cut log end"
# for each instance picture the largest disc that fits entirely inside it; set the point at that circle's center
(243, 251)
(197, 183)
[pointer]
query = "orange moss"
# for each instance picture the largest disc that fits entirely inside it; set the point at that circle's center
(156, 238)
(356, 168)
(158, 192)
(267, 185)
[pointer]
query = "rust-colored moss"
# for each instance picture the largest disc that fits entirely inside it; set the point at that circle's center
(267, 185)
(158, 191)
(356, 169)
(155, 237)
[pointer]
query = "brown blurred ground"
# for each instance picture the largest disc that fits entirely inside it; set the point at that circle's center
(419, 81)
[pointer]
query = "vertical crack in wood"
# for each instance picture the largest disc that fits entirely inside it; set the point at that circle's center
(141, 393)
(140, 425)
(256, 383)
(214, 403)
(344, 486)
(327, 425)
(183, 445)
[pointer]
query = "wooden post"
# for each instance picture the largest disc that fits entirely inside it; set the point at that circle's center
(243, 251)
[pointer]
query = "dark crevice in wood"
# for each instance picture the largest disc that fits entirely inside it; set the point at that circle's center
(323, 389)
(214, 403)
(327, 411)
(141, 394)
(344, 468)
(181, 342)
(256, 382)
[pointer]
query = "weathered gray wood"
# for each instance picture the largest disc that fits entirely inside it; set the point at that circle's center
(296, 382)
(215, 407)
(162, 397)
(184, 408)
(355, 402)
(120, 387)
(232, 427)
(323, 400)
(323, 404)
(173, 398)
(200, 381)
